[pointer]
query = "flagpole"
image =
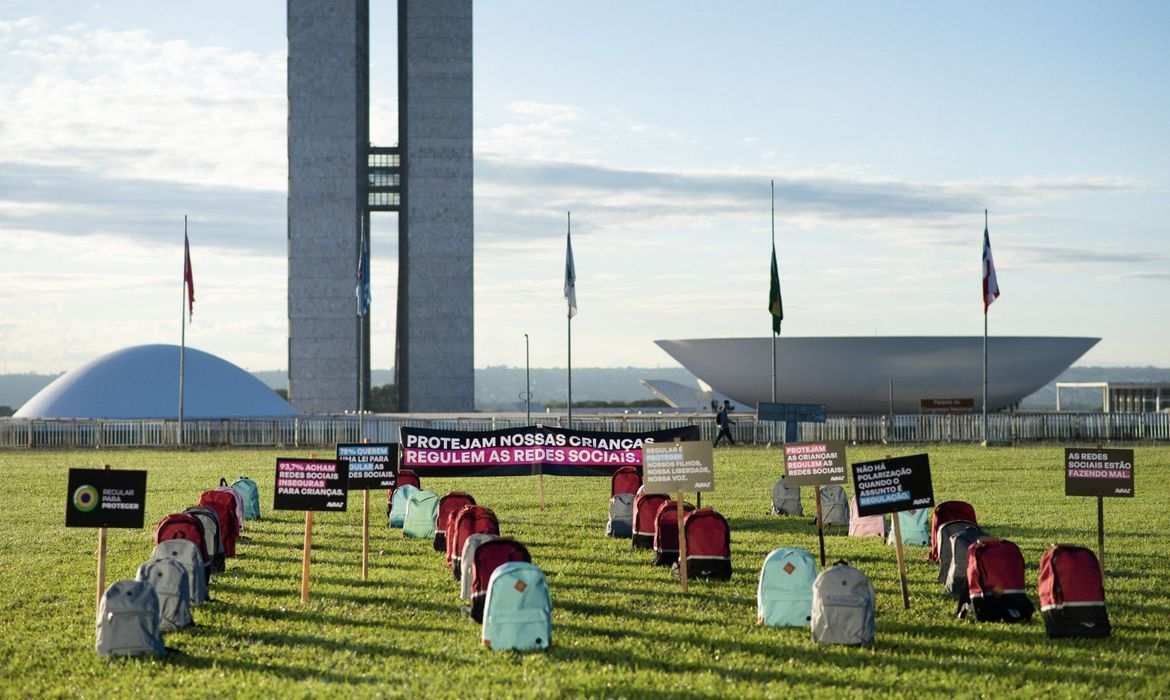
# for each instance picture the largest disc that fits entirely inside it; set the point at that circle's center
(183, 331)
(363, 311)
(773, 253)
(985, 344)
(569, 419)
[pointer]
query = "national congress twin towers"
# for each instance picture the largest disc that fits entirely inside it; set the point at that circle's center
(337, 176)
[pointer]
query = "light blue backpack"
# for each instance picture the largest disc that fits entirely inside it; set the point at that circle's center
(784, 596)
(186, 553)
(398, 503)
(128, 619)
(915, 526)
(251, 495)
(421, 511)
(518, 611)
(172, 586)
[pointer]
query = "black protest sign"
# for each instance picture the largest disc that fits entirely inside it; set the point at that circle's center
(893, 485)
(814, 463)
(311, 484)
(106, 498)
(671, 467)
(1098, 472)
(371, 465)
(528, 450)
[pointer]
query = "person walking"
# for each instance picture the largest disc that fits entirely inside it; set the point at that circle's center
(724, 422)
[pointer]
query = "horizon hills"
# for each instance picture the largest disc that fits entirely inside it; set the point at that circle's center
(501, 387)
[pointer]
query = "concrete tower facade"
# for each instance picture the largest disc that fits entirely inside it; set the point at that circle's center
(435, 350)
(328, 137)
(333, 187)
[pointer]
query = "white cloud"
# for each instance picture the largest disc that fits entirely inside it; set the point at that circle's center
(126, 103)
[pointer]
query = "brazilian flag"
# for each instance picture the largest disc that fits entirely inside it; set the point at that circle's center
(775, 306)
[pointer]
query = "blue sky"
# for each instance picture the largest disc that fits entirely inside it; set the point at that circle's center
(888, 128)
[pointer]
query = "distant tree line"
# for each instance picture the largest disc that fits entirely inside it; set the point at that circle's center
(640, 403)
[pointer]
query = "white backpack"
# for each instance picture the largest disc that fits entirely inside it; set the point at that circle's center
(471, 544)
(842, 606)
(127, 621)
(170, 582)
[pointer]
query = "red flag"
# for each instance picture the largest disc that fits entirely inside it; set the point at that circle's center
(188, 279)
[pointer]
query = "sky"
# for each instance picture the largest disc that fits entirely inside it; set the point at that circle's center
(887, 128)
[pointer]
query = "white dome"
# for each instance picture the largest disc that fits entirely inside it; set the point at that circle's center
(143, 382)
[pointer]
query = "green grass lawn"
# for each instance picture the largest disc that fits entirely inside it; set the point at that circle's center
(621, 628)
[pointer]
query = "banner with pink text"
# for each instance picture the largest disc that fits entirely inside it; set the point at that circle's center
(529, 450)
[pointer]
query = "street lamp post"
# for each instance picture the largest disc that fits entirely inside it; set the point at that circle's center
(527, 382)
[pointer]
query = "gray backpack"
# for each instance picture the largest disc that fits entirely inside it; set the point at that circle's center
(215, 556)
(956, 546)
(621, 516)
(842, 606)
(186, 553)
(946, 553)
(834, 505)
(127, 621)
(786, 499)
(170, 582)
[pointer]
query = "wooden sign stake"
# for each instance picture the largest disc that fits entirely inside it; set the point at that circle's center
(542, 491)
(1101, 533)
(101, 560)
(305, 557)
(820, 524)
(901, 557)
(365, 534)
(682, 543)
(308, 550)
(901, 560)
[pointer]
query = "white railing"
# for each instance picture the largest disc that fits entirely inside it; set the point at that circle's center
(324, 431)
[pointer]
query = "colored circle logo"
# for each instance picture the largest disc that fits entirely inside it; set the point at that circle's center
(85, 498)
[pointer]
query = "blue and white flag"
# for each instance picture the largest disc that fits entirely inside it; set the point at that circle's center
(363, 281)
(570, 276)
(990, 283)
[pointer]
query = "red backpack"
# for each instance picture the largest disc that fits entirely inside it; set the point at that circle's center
(645, 509)
(487, 558)
(237, 496)
(666, 532)
(181, 526)
(944, 513)
(224, 505)
(708, 545)
(449, 505)
(625, 480)
(995, 583)
(1072, 593)
(470, 520)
